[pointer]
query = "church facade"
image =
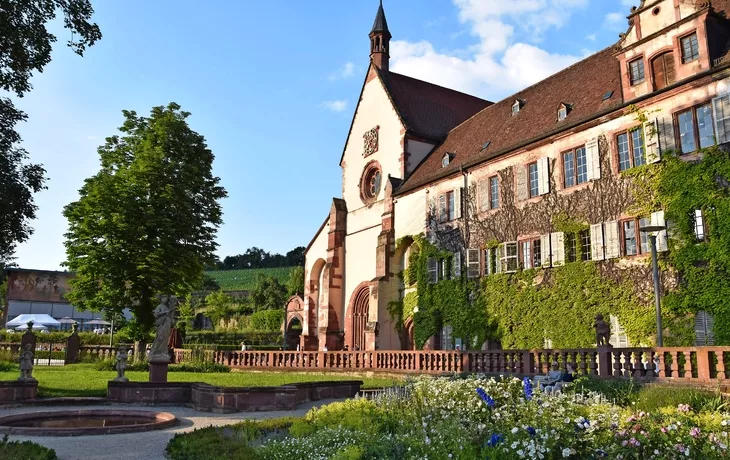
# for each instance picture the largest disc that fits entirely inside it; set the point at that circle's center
(423, 159)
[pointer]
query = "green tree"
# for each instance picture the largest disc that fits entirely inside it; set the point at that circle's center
(145, 224)
(218, 305)
(295, 285)
(269, 293)
(209, 284)
(25, 48)
(185, 314)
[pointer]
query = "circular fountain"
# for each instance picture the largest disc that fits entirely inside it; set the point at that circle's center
(85, 422)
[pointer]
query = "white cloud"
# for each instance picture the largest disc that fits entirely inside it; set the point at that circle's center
(346, 71)
(498, 63)
(591, 37)
(335, 106)
(616, 22)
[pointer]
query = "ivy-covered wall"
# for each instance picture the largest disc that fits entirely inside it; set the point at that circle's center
(561, 303)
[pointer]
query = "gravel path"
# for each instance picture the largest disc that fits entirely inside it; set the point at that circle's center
(140, 446)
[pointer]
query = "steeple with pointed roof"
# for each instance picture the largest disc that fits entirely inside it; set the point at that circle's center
(380, 40)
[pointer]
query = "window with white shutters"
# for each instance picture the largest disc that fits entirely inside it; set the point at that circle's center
(721, 110)
(651, 139)
(612, 240)
(704, 329)
(457, 203)
(543, 173)
(593, 158)
(526, 254)
(508, 257)
(545, 251)
(597, 249)
(557, 248)
(432, 267)
(698, 222)
(456, 264)
(523, 188)
(618, 338)
(472, 263)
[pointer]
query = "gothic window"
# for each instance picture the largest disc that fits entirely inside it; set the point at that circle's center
(371, 183)
(370, 141)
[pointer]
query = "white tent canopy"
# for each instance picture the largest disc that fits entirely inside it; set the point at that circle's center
(36, 327)
(38, 319)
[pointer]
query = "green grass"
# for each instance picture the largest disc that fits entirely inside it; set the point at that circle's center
(84, 380)
(245, 280)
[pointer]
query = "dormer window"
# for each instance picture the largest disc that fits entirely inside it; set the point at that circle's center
(516, 107)
(446, 160)
(563, 112)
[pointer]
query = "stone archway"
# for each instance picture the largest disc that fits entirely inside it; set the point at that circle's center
(358, 313)
(408, 338)
(293, 333)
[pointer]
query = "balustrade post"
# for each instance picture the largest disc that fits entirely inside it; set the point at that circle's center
(675, 364)
(687, 364)
(720, 365)
(703, 364)
(527, 365)
(605, 362)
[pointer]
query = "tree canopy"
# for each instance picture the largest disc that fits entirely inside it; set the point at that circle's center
(25, 48)
(258, 258)
(145, 224)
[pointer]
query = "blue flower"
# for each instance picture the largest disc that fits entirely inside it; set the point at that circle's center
(494, 440)
(486, 398)
(531, 431)
(527, 383)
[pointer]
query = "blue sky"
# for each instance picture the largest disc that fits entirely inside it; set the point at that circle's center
(272, 86)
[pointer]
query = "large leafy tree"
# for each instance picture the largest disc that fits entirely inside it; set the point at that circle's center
(268, 294)
(145, 224)
(25, 48)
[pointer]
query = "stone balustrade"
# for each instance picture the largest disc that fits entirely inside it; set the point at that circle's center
(697, 364)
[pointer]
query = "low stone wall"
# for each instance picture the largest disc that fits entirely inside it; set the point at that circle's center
(211, 398)
(16, 391)
(149, 392)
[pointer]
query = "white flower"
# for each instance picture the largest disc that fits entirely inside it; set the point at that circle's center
(566, 453)
(515, 430)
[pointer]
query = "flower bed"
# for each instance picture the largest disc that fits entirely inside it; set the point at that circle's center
(475, 418)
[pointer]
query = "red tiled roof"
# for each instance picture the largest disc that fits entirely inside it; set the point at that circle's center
(429, 110)
(582, 86)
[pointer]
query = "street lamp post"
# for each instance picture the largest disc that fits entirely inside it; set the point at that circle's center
(652, 230)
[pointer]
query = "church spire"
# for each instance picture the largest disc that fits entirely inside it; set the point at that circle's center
(380, 40)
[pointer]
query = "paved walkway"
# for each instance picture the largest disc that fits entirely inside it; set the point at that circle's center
(140, 446)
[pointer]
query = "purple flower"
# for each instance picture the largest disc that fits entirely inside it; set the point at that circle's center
(527, 384)
(494, 440)
(694, 432)
(531, 431)
(488, 400)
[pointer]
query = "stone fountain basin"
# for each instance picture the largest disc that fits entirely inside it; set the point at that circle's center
(85, 422)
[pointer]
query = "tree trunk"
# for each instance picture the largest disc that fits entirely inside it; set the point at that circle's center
(140, 352)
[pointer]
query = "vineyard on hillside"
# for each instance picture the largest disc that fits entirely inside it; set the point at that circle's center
(245, 280)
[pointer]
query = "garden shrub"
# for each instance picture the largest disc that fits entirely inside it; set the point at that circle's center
(267, 320)
(231, 442)
(26, 450)
(657, 396)
(109, 365)
(199, 367)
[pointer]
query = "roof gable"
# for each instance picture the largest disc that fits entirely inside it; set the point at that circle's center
(429, 110)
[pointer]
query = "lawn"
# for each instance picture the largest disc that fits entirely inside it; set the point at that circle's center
(85, 380)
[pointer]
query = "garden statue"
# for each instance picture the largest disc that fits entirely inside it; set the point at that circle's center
(26, 364)
(121, 365)
(603, 332)
(164, 318)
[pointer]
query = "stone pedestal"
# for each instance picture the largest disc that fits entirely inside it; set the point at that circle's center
(158, 368)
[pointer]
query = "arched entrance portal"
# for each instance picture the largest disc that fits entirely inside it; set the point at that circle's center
(360, 311)
(293, 331)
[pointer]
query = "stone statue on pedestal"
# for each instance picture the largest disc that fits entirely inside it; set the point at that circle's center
(121, 365)
(164, 319)
(26, 364)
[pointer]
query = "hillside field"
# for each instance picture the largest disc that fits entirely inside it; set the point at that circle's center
(245, 280)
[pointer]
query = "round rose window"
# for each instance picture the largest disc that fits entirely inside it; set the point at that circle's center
(371, 181)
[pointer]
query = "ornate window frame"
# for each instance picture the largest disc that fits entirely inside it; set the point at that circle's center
(367, 195)
(371, 141)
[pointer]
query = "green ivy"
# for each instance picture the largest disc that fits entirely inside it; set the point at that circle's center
(679, 187)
